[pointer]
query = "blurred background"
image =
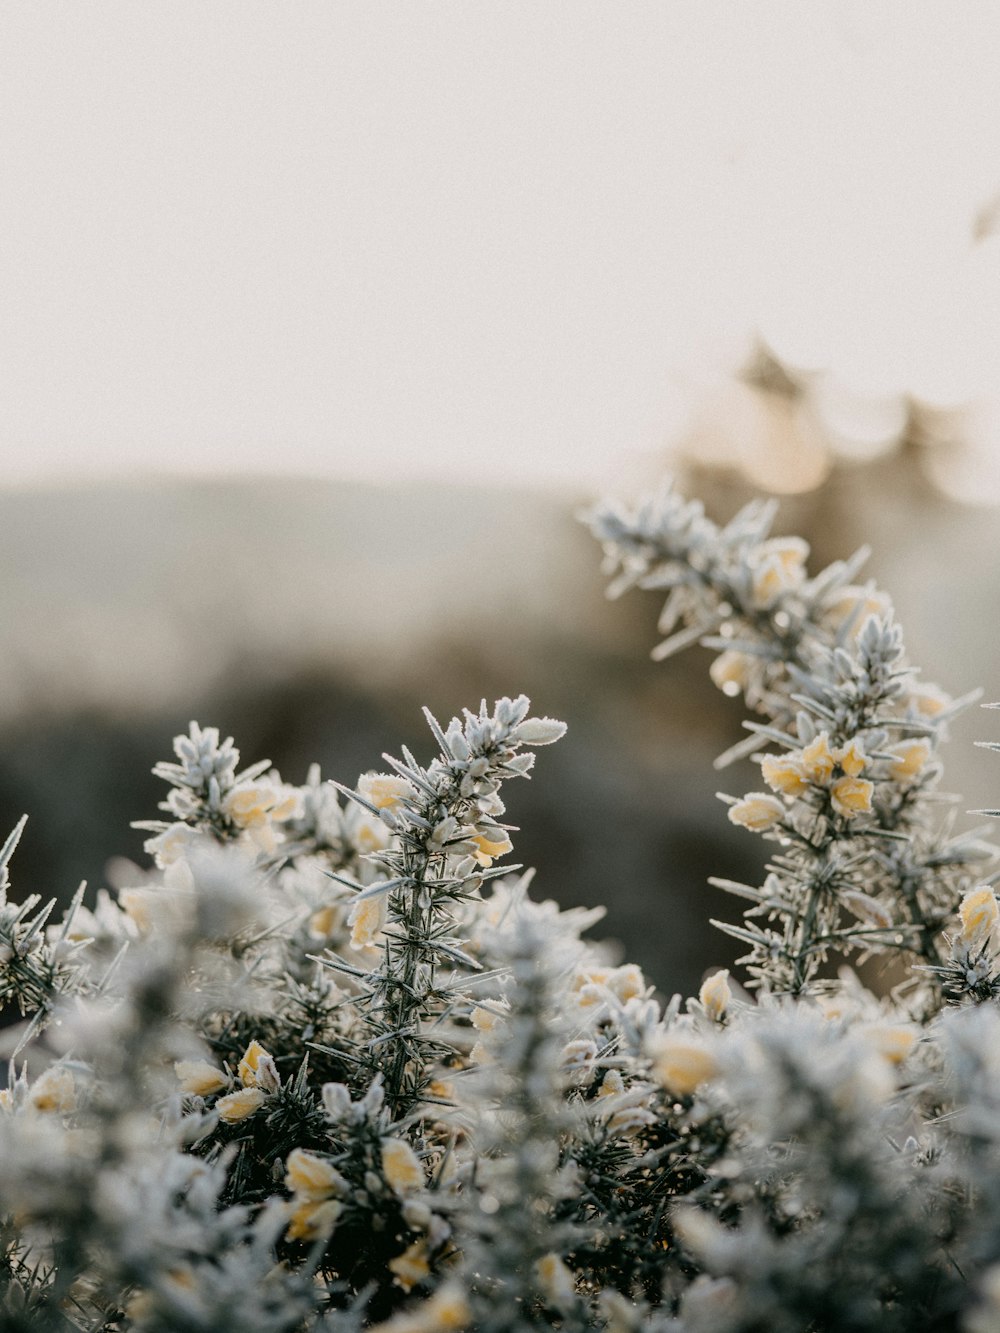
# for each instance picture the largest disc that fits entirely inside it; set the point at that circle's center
(319, 325)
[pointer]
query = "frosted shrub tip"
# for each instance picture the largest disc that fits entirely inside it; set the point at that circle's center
(538, 731)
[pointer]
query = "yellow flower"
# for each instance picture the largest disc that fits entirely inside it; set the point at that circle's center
(240, 1105)
(818, 760)
(255, 806)
(170, 845)
(681, 1065)
(790, 553)
(715, 994)
(486, 851)
(630, 1120)
(780, 566)
(310, 1176)
(729, 672)
(784, 773)
(311, 1219)
(627, 981)
(555, 1279)
(757, 811)
(910, 758)
(851, 758)
(411, 1266)
(323, 923)
(860, 603)
(591, 976)
(928, 699)
(199, 1078)
(251, 803)
(250, 1064)
(769, 582)
(385, 791)
(484, 1020)
(612, 1084)
(368, 836)
(6, 1099)
(446, 1311)
(893, 1042)
(54, 1091)
(852, 796)
(401, 1166)
(979, 913)
(367, 919)
(138, 904)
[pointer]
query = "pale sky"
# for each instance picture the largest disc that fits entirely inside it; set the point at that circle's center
(477, 240)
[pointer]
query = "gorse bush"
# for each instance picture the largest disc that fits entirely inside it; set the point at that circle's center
(330, 1066)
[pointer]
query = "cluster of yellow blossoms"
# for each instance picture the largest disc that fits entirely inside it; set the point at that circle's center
(258, 1076)
(316, 1188)
(837, 770)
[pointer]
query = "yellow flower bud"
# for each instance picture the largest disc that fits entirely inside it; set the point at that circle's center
(612, 1084)
(311, 1219)
(486, 851)
(729, 672)
(199, 1078)
(310, 1176)
(757, 811)
(401, 1166)
(411, 1266)
(367, 919)
(55, 1091)
(248, 1066)
(240, 1105)
(979, 913)
(385, 791)
(715, 994)
(780, 566)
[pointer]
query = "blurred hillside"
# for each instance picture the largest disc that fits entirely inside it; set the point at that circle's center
(311, 621)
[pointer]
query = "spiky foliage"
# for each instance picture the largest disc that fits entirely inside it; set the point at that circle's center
(328, 1066)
